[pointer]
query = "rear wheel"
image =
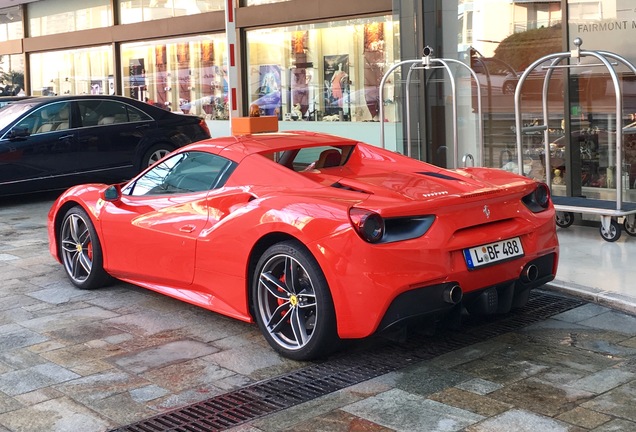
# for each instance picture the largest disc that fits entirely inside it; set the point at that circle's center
(292, 303)
(81, 251)
(564, 219)
(154, 154)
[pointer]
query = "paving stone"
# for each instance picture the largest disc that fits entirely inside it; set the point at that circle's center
(302, 416)
(249, 359)
(57, 415)
(616, 425)
(33, 378)
(540, 397)
(144, 322)
(581, 313)
(520, 421)
(402, 411)
(424, 379)
(479, 386)
(18, 338)
(75, 355)
(101, 385)
(196, 373)
(72, 317)
(38, 396)
(162, 355)
(148, 393)
(618, 402)
(613, 321)
(472, 402)
(336, 421)
(603, 381)
(585, 418)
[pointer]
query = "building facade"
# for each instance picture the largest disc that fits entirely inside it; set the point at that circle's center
(318, 65)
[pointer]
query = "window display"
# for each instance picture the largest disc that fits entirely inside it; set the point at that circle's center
(187, 75)
(72, 72)
(321, 72)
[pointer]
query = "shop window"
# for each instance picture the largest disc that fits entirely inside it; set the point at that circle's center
(187, 75)
(72, 72)
(12, 75)
(321, 72)
(134, 11)
(49, 17)
(260, 2)
(11, 23)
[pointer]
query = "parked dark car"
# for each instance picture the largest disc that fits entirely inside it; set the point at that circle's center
(6, 100)
(51, 143)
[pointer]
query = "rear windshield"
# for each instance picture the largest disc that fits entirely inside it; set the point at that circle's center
(308, 158)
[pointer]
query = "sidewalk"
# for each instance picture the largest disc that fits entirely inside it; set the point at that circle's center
(596, 270)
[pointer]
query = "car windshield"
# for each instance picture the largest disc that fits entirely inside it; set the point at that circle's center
(9, 113)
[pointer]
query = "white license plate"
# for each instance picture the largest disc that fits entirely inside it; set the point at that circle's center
(493, 252)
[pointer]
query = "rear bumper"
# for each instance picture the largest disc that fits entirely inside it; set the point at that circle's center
(434, 300)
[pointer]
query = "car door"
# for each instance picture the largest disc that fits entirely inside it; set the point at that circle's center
(41, 149)
(111, 131)
(151, 232)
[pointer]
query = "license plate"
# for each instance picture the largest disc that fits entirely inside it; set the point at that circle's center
(493, 252)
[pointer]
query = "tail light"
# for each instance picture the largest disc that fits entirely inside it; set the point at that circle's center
(368, 224)
(539, 199)
(205, 127)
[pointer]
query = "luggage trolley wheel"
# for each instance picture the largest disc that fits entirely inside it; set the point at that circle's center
(610, 229)
(564, 219)
(629, 224)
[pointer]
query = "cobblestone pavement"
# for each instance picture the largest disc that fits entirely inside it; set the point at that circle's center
(73, 360)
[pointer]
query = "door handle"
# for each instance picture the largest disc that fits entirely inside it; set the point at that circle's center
(65, 137)
(187, 228)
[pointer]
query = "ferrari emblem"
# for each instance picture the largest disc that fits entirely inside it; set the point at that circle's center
(486, 212)
(293, 300)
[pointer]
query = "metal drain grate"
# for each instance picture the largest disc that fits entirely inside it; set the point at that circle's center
(275, 394)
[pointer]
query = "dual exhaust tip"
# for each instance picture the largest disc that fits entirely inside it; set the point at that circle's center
(454, 294)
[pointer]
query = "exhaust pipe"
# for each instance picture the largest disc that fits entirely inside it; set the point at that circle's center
(453, 294)
(530, 273)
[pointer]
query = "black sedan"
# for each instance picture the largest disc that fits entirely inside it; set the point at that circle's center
(54, 142)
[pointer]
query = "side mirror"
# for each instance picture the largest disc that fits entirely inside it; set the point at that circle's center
(18, 133)
(111, 193)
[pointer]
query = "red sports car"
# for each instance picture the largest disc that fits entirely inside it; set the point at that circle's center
(316, 238)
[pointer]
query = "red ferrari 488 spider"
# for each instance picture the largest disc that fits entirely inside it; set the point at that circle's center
(316, 238)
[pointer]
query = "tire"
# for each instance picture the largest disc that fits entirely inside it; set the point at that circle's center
(564, 219)
(154, 154)
(292, 303)
(614, 232)
(628, 227)
(81, 251)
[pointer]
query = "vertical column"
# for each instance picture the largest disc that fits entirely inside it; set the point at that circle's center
(232, 72)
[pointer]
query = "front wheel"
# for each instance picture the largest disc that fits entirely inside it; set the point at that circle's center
(81, 251)
(292, 303)
(613, 233)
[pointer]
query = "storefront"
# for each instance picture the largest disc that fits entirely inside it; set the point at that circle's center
(500, 39)
(318, 66)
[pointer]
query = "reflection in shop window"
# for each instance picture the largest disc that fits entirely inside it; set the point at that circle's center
(72, 72)
(182, 75)
(12, 75)
(11, 23)
(49, 17)
(499, 42)
(134, 11)
(322, 72)
(260, 2)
